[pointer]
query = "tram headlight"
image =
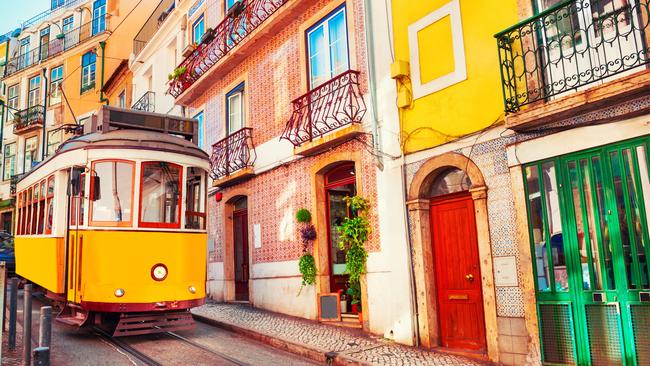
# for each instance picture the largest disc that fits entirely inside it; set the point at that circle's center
(159, 272)
(192, 289)
(119, 292)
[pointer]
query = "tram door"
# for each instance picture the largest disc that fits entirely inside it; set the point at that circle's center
(75, 242)
(607, 201)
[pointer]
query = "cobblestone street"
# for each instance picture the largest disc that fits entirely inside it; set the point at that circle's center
(350, 345)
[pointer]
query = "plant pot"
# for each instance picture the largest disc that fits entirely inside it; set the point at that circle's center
(208, 36)
(355, 308)
(60, 36)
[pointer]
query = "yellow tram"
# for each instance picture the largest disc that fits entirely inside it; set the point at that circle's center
(114, 223)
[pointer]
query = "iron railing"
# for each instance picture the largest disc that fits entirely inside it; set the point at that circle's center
(60, 44)
(152, 25)
(146, 103)
(336, 103)
(28, 118)
(13, 182)
(569, 46)
(242, 19)
(233, 153)
(39, 18)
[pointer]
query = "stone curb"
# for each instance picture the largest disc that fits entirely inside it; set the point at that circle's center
(300, 349)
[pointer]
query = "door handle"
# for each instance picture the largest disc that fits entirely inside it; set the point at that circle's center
(469, 277)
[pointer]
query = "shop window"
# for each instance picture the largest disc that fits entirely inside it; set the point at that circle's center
(113, 205)
(195, 199)
(327, 48)
(160, 194)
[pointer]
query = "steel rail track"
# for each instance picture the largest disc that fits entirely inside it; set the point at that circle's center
(206, 349)
(125, 347)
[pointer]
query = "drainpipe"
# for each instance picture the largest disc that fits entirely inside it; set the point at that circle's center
(372, 84)
(44, 129)
(102, 44)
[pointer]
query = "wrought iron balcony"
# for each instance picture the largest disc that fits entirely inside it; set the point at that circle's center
(242, 19)
(335, 104)
(232, 154)
(58, 45)
(570, 46)
(146, 103)
(29, 119)
(151, 26)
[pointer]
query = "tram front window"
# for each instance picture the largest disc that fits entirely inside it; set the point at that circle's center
(160, 195)
(113, 206)
(195, 199)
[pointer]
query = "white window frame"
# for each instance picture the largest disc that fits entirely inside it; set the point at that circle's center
(34, 92)
(55, 93)
(12, 165)
(324, 24)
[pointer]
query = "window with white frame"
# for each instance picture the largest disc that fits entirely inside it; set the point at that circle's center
(198, 29)
(88, 69)
(54, 139)
(56, 78)
(57, 4)
(327, 48)
(13, 99)
(199, 118)
(31, 149)
(34, 95)
(235, 109)
(68, 23)
(99, 16)
(9, 166)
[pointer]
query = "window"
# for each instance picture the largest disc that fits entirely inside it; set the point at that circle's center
(9, 166)
(160, 194)
(34, 96)
(40, 226)
(54, 139)
(114, 206)
(195, 199)
(24, 52)
(99, 16)
(77, 202)
(235, 109)
(57, 4)
(31, 147)
(44, 43)
(49, 205)
(68, 23)
(198, 29)
(121, 100)
(88, 68)
(327, 48)
(13, 98)
(199, 118)
(56, 78)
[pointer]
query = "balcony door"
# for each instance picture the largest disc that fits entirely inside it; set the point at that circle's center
(235, 113)
(588, 41)
(34, 96)
(99, 16)
(327, 48)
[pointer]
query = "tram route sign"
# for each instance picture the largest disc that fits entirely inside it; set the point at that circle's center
(111, 118)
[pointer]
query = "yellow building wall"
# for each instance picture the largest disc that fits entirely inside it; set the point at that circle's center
(3, 58)
(463, 107)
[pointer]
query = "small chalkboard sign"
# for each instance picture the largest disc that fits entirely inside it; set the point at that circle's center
(329, 307)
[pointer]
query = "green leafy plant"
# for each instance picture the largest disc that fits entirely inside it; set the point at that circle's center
(303, 215)
(307, 266)
(178, 72)
(354, 291)
(354, 233)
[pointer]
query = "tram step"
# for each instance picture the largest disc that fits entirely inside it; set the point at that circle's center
(146, 323)
(72, 315)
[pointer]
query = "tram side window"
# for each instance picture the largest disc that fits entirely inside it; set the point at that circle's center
(113, 206)
(195, 199)
(160, 194)
(41, 209)
(77, 203)
(28, 204)
(49, 205)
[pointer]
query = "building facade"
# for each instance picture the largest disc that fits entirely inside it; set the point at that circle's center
(56, 67)
(549, 199)
(286, 90)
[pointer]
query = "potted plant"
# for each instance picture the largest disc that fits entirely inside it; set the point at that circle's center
(60, 36)
(354, 291)
(178, 72)
(307, 263)
(207, 36)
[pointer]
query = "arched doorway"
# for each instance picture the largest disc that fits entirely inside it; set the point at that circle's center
(456, 262)
(240, 252)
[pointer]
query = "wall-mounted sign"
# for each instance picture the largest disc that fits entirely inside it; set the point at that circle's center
(505, 272)
(329, 307)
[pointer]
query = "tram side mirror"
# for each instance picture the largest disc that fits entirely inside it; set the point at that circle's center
(75, 183)
(96, 193)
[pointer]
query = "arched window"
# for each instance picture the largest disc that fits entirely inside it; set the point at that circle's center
(451, 180)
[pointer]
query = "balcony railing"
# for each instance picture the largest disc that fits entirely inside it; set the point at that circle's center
(146, 103)
(29, 118)
(242, 19)
(152, 25)
(335, 104)
(233, 153)
(570, 46)
(60, 44)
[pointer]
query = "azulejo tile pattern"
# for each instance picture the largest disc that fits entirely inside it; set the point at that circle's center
(351, 343)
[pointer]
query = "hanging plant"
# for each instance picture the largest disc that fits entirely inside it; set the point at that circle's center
(353, 236)
(307, 263)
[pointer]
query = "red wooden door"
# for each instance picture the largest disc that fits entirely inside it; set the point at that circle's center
(458, 277)
(240, 226)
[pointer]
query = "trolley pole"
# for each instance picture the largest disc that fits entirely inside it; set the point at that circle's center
(13, 309)
(27, 325)
(45, 330)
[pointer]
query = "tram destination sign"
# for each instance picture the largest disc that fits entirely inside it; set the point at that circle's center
(111, 118)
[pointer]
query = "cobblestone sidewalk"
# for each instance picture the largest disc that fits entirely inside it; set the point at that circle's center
(348, 345)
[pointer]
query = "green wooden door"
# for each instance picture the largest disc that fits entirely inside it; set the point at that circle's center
(594, 208)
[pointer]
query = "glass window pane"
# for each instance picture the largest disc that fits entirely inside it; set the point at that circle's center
(194, 201)
(450, 181)
(633, 189)
(580, 222)
(160, 193)
(235, 112)
(338, 44)
(116, 189)
(602, 214)
(554, 222)
(537, 229)
(645, 184)
(318, 57)
(338, 211)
